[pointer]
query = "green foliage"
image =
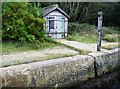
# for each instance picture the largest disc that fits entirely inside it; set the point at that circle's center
(111, 46)
(82, 28)
(111, 37)
(109, 30)
(85, 38)
(22, 22)
(88, 33)
(87, 12)
(13, 47)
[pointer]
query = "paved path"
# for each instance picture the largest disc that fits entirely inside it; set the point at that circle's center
(82, 46)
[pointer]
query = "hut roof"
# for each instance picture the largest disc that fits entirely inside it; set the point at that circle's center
(48, 9)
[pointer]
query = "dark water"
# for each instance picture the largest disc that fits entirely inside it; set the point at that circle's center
(106, 81)
(116, 86)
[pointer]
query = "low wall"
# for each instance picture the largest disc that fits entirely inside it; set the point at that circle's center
(59, 72)
(106, 61)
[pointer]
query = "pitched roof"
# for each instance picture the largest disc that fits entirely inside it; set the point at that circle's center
(47, 10)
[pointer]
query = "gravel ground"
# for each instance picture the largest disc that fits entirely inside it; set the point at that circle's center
(46, 54)
(31, 56)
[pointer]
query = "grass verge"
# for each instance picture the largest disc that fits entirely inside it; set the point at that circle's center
(111, 46)
(83, 38)
(111, 37)
(10, 47)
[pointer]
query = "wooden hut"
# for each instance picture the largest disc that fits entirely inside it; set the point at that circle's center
(56, 21)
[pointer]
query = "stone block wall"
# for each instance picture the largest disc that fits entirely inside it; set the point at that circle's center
(106, 61)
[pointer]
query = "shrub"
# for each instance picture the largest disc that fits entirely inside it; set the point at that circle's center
(22, 22)
(111, 37)
(89, 33)
(109, 30)
(85, 28)
(110, 46)
(82, 28)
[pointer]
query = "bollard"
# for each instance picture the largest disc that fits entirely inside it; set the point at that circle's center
(100, 17)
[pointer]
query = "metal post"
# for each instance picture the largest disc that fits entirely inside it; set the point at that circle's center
(100, 17)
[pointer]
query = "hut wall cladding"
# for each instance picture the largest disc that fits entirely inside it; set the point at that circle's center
(56, 21)
(60, 25)
(59, 71)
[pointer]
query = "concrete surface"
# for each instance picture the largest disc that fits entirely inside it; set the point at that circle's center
(83, 46)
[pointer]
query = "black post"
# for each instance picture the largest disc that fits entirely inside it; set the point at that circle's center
(100, 17)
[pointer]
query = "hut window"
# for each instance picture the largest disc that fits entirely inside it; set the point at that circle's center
(50, 17)
(51, 24)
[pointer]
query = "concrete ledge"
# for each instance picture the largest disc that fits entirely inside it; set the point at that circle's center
(106, 61)
(48, 73)
(59, 71)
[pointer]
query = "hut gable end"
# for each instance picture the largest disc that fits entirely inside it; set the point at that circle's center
(56, 21)
(52, 8)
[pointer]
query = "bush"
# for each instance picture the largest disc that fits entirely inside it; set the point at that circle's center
(111, 37)
(109, 30)
(89, 33)
(22, 22)
(110, 46)
(82, 28)
(85, 28)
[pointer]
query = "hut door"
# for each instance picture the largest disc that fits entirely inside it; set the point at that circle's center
(60, 27)
(52, 31)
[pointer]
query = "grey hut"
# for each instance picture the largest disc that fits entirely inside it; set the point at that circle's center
(57, 21)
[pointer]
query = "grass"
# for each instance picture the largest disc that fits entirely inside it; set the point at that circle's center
(83, 38)
(111, 37)
(10, 47)
(111, 46)
(34, 59)
(87, 33)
